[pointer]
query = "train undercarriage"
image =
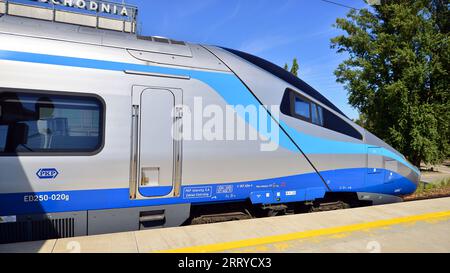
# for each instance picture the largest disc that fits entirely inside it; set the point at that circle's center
(225, 212)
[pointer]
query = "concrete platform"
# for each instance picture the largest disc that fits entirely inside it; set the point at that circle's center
(422, 226)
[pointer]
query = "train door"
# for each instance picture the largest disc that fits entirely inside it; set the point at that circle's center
(375, 166)
(156, 149)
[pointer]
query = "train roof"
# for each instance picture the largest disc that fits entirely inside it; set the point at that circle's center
(151, 49)
(88, 35)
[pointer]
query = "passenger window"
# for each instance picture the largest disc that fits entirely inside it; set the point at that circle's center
(3, 134)
(302, 108)
(32, 123)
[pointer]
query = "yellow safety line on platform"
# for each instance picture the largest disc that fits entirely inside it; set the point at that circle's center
(219, 247)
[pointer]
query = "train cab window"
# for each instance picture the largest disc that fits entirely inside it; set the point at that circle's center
(302, 108)
(317, 114)
(298, 106)
(286, 76)
(46, 123)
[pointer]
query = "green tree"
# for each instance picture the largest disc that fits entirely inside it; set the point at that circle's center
(294, 69)
(397, 74)
(362, 121)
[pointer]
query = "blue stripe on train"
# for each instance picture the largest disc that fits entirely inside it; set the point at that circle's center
(227, 85)
(304, 187)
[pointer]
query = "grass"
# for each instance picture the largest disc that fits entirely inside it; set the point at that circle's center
(430, 187)
(428, 190)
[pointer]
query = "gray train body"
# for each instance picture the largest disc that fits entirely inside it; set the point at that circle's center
(131, 172)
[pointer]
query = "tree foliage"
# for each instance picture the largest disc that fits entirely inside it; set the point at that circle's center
(294, 68)
(397, 74)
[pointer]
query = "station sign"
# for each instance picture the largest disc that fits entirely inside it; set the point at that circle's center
(98, 6)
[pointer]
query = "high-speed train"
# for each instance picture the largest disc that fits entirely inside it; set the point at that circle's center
(89, 120)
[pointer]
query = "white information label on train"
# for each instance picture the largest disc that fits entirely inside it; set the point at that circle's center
(291, 193)
(197, 192)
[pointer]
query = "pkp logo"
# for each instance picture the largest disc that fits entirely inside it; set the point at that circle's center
(50, 173)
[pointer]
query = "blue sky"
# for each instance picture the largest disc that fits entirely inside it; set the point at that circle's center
(277, 30)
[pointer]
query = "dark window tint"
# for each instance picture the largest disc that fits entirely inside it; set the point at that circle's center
(286, 76)
(297, 106)
(335, 123)
(48, 123)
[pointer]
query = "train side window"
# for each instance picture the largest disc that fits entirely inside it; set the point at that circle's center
(34, 123)
(302, 107)
(317, 114)
(3, 134)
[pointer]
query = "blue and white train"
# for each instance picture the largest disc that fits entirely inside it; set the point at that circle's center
(86, 135)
